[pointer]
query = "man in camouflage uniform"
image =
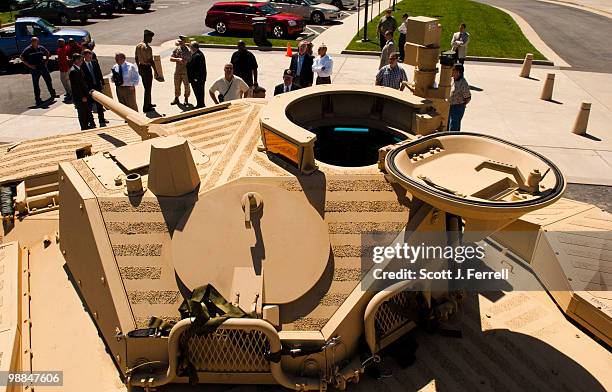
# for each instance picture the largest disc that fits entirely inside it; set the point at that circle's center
(181, 56)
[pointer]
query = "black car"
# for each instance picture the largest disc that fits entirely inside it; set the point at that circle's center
(14, 5)
(131, 5)
(107, 7)
(63, 11)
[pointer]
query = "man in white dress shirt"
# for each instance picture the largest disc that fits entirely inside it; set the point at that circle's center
(459, 43)
(126, 78)
(323, 66)
(403, 29)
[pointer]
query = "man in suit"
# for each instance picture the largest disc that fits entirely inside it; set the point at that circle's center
(301, 66)
(80, 92)
(95, 81)
(287, 84)
(387, 50)
(196, 73)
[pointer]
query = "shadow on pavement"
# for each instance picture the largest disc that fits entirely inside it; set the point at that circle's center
(44, 105)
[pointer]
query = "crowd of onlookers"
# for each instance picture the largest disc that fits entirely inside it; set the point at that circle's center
(80, 72)
(390, 74)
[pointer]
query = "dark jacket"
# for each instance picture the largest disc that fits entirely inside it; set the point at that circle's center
(93, 83)
(306, 75)
(78, 84)
(196, 67)
(280, 88)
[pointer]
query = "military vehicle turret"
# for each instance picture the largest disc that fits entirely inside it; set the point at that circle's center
(235, 245)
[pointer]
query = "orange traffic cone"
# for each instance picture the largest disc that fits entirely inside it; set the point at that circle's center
(289, 50)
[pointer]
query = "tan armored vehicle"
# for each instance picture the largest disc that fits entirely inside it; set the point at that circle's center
(237, 244)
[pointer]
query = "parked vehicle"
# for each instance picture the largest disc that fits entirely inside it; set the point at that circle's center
(14, 5)
(63, 11)
(238, 16)
(342, 4)
(308, 9)
(131, 5)
(14, 39)
(106, 7)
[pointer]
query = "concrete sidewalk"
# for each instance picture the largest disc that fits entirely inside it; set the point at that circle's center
(503, 105)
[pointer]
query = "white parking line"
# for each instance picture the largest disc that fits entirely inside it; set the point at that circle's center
(311, 30)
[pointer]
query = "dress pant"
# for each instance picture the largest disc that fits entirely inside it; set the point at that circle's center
(84, 113)
(99, 107)
(198, 91)
(402, 42)
(457, 59)
(181, 79)
(65, 79)
(36, 75)
(323, 79)
(455, 115)
(127, 96)
(146, 73)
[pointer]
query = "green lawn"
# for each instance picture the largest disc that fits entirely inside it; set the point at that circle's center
(6, 17)
(493, 33)
(224, 40)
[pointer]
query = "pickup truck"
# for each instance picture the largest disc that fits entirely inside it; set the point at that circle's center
(14, 39)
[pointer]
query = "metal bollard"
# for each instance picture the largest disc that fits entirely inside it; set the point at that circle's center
(526, 69)
(582, 120)
(547, 90)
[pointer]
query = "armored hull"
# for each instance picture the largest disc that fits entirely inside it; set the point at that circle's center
(242, 197)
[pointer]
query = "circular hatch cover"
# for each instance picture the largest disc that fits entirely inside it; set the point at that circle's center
(286, 242)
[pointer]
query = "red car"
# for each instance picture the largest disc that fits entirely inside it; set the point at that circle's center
(238, 16)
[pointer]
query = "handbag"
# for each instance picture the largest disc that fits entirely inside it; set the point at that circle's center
(222, 96)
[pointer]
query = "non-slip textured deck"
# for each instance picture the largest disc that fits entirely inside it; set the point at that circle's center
(350, 201)
(41, 156)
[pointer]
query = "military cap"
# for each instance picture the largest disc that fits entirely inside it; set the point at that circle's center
(182, 37)
(149, 32)
(288, 72)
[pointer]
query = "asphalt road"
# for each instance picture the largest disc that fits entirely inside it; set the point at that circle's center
(17, 95)
(167, 18)
(581, 38)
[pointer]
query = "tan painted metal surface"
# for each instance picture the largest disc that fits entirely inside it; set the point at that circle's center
(290, 244)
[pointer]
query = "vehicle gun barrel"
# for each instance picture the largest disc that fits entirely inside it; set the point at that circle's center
(140, 124)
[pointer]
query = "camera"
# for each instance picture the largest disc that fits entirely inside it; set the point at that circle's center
(221, 98)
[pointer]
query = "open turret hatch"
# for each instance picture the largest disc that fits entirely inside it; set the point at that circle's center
(475, 176)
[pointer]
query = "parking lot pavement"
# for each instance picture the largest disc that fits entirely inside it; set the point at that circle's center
(17, 94)
(167, 18)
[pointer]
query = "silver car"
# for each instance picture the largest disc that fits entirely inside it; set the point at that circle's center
(342, 4)
(308, 9)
